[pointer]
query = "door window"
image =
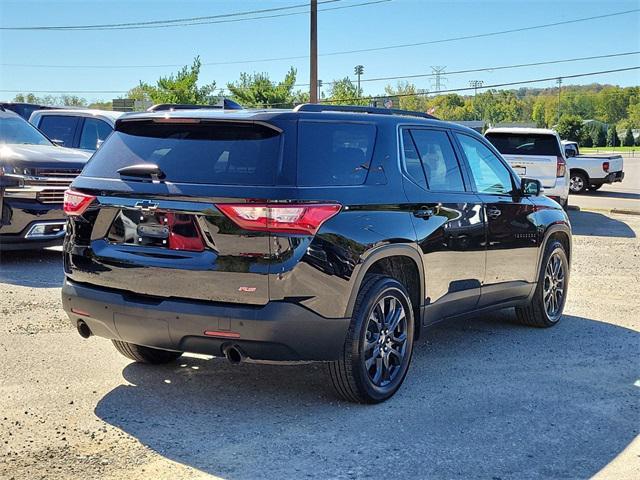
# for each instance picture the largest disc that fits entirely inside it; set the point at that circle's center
(60, 128)
(412, 160)
(438, 160)
(94, 132)
(489, 173)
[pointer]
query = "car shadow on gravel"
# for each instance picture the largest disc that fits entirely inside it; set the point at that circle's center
(32, 268)
(598, 224)
(484, 398)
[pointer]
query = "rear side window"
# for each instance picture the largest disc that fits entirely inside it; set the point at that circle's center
(60, 128)
(94, 132)
(517, 144)
(332, 153)
(438, 159)
(221, 153)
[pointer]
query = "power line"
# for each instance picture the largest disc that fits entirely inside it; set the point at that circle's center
(344, 52)
(497, 85)
(178, 23)
(464, 89)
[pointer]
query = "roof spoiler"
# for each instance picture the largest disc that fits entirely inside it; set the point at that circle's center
(224, 104)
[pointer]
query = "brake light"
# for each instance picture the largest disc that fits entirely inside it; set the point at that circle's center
(75, 203)
(605, 166)
(299, 218)
(561, 166)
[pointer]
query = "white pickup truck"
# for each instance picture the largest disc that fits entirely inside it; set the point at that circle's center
(590, 172)
(534, 153)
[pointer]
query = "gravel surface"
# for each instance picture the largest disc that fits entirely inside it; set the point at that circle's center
(484, 398)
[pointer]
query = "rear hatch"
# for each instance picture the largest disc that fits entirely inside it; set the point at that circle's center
(155, 227)
(530, 155)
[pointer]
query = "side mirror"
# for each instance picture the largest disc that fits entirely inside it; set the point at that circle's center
(99, 143)
(530, 187)
(569, 152)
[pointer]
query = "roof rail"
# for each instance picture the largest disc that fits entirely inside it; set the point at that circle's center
(317, 107)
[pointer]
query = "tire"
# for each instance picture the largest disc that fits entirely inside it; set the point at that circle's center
(374, 362)
(578, 182)
(595, 187)
(537, 312)
(143, 354)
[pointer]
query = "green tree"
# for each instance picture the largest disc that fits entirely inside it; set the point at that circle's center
(181, 87)
(345, 92)
(257, 90)
(102, 105)
(585, 139)
(612, 137)
(599, 136)
(409, 97)
(569, 127)
(628, 139)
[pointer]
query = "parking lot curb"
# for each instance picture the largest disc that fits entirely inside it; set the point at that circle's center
(618, 211)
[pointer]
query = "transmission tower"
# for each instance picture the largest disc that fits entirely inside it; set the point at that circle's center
(439, 80)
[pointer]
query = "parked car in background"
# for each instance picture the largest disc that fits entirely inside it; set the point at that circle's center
(590, 172)
(322, 233)
(76, 128)
(535, 153)
(34, 173)
(24, 109)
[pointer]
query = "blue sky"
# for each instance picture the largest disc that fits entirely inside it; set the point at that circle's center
(376, 25)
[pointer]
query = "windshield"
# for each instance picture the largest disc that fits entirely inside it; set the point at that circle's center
(15, 130)
(524, 144)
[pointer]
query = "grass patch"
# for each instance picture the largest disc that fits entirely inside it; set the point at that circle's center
(610, 149)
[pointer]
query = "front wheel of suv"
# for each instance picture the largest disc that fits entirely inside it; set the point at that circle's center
(546, 306)
(142, 354)
(379, 343)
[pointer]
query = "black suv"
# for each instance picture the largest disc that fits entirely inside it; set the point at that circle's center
(320, 233)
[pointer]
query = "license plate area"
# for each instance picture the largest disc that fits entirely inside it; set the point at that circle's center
(157, 228)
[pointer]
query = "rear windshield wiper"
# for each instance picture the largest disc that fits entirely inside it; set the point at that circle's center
(148, 170)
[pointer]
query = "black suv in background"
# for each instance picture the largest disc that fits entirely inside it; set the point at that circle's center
(321, 233)
(34, 174)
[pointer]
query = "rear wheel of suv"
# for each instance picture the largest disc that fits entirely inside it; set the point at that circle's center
(379, 343)
(143, 354)
(578, 182)
(546, 306)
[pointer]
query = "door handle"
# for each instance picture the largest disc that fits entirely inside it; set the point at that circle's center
(423, 213)
(493, 212)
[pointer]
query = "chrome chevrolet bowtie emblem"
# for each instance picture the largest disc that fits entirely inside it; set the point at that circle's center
(146, 205)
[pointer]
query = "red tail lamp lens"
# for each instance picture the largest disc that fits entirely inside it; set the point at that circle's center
(75, 203)
(561, 167)
(289, 218)
(605, 166)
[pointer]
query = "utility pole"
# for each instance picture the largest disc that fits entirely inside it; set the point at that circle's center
(559, 90)
(358, 70)
(438, 72)
(313, 53)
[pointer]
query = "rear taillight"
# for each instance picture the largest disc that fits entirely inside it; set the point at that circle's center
(605, 166)
(561, 166)
(302, 219)
(75, 203)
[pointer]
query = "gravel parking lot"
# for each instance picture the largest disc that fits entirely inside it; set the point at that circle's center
(484, 398)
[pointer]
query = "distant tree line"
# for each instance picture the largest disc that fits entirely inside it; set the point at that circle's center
(593, 115)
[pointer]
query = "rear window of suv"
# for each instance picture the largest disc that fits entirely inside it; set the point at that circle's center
(334, 153)
(519, 144)
(221, 153)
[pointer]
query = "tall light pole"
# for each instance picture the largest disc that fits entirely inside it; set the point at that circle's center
(319, 89)
(475, 84)
(559, 90)
(313, 53)
(358, 70)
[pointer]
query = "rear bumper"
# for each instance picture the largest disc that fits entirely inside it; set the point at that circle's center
(277, 331)
(610, 178)
(560, 190)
